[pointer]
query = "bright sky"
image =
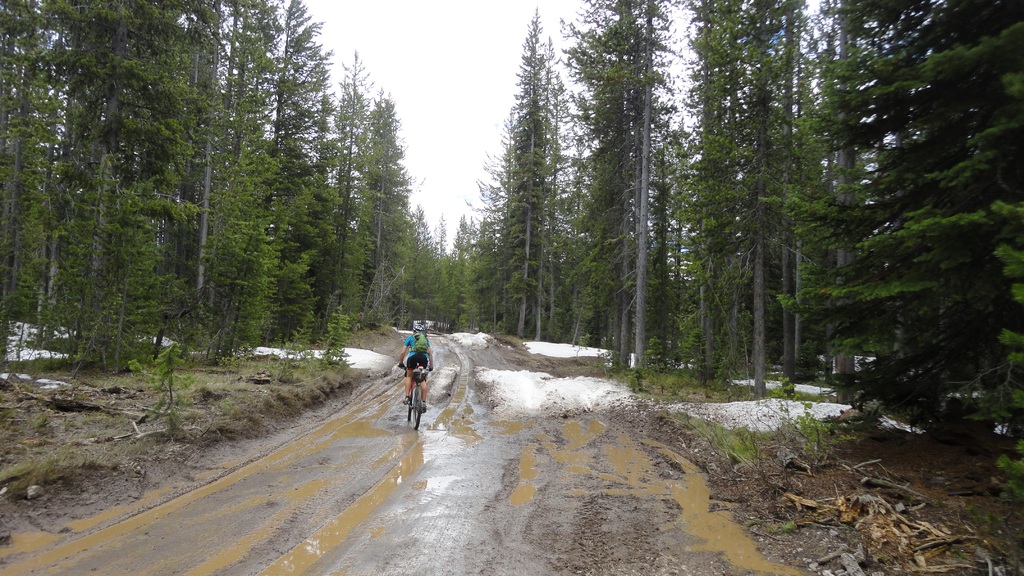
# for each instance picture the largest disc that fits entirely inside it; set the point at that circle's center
(450, 66)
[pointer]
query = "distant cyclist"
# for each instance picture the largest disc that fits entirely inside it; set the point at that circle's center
(416, 352)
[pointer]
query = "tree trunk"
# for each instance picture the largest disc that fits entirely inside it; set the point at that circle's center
(844, 364)
(521, 326)
(643, 204)
(204, 213)
(707, 324)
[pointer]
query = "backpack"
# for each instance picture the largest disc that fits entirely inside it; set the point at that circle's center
(420, 344)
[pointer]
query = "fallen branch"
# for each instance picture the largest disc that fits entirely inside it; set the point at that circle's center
(868, 463)
(944, 569)
(800, 501)
(150, 433)
(937, 543)
(830, 557)
(872, 481)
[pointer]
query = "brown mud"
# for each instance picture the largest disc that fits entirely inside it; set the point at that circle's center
(349, 488)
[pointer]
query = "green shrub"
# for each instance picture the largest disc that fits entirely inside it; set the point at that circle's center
(167, 383)
(1014, 469)
(339, 330)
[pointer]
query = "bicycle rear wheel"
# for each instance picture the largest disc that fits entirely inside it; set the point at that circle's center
(415, 405)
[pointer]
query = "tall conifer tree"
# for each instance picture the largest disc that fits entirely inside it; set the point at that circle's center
(929, 99)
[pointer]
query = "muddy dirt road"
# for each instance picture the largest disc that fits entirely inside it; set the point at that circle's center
(472, 492)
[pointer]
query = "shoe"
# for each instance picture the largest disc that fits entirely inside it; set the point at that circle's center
(423, 408)
(406, 401)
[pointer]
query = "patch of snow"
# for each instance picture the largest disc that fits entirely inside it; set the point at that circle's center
(48, 384)
(356, 357)
(16, 339)
(525, 392)
(282, 353)
(21, 354)
(772, 385)
(890, 424)
(562, 350)
(759, 415)
(477, 341)
(367, 359)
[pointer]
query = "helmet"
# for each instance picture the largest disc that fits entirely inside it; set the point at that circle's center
(418, 327)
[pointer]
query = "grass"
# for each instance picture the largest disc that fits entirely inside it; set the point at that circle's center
(41, 445)
(740, 446)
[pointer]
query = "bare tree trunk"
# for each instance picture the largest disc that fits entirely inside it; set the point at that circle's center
(788, 319)
(643, 204)
(204, 213)
(707, 374)
(844, 364)
(760, 223)
(797, 287)
(521, 327)
(539, 305)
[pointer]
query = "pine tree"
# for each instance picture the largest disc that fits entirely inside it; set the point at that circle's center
(122, 71)
(345, 254)
(533, 160)
(614, 60)
(26, 111)
(388, 224)
(743, 90)
(930, 102)
(298, 194)
(239, 259)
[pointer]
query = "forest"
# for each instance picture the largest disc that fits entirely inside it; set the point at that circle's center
(725, 188)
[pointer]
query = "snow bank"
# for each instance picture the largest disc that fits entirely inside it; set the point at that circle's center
(368, 359)
(804, 388)
(44, 383)
(20, 334)
(356, 357)
(562, 350)
(524, 392)
(759, 415)
(477, 341)
(19, 354)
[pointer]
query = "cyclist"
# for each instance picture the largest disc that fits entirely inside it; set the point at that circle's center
(416, 352)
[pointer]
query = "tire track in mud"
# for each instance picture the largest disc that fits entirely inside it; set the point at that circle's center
(416, 502)
(362, 493)
(236, 521)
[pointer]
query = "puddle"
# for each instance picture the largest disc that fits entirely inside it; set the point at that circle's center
(34, 541)
(633, 473)
(510, 428)
(523, 494)
(578, 436)
(525, 491)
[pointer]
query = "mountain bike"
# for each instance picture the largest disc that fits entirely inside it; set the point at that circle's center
(416, 405)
